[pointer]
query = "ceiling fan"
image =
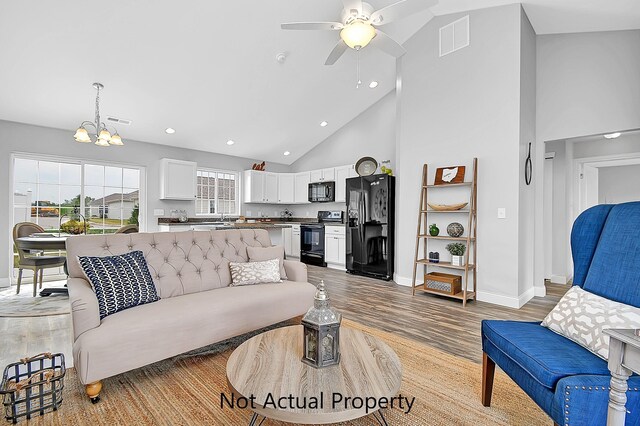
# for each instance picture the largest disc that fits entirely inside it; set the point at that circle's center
(359, 26)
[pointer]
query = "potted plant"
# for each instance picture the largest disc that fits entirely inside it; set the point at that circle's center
(457, 253)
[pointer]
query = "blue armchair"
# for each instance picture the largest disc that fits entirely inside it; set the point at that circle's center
(567, 381)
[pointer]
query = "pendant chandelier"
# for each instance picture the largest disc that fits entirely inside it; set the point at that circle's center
(101, 136)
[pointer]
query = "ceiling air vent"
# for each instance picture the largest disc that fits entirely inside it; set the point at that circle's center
(454, 36)
(117, 120)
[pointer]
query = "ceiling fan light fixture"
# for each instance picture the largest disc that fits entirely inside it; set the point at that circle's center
(357, 34)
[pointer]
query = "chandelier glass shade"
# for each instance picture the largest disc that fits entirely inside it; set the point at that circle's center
(101, 135)
(357, 34)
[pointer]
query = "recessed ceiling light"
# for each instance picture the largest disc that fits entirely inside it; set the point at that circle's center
(373, 84)
(287, 153)
(230, 142)
(170, 130)
(612, 135)
(324, 124)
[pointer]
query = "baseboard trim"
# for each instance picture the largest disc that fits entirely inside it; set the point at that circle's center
(403, 281)
(508, 301)
(540, 291)
(559, 279)
(336, 267)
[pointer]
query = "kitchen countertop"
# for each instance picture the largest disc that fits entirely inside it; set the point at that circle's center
(272, 224)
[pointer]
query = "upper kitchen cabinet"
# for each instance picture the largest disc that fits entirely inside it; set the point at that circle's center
(177, 179)
(260, 187)
(342, 173)
(302, 181)
(286, 188)
(323, 175)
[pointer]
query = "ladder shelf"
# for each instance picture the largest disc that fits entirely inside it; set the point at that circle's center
(469, 269)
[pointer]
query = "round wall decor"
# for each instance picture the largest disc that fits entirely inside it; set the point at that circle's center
(455, 229)
(366, 166)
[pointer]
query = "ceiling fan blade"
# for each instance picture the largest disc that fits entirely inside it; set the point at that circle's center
(400, 10)
(331, 26)
(335, 54)
(350, 5)
(388, 45)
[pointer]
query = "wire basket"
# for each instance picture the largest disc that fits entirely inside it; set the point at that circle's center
(32, 386)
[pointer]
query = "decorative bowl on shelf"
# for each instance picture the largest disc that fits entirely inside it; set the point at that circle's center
(447, 207)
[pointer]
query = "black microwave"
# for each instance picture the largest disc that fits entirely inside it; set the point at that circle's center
(322, 192)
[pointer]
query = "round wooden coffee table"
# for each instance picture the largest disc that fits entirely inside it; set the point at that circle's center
(268, 367)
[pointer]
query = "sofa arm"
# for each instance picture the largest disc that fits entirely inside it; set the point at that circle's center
(296, 271)
(583, 400)
(84, 306)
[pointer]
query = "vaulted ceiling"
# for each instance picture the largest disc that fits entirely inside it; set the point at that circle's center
(209, 69)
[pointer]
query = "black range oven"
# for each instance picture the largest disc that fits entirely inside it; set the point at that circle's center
(312, 244)
(312, 237)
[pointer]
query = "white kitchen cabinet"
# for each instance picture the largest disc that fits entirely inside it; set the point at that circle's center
(315, 175)
(302, 181)
(253, 186)
(270, 187)
(329, 174)
(291, 241)
(323, 175)
(260, 187)
(286, 241)
(286, 188)
(352, 171)
(335, 246)
(342, 173)
(177, 179)
(295, 241)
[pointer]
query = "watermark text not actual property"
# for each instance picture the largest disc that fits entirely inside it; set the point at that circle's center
(336, 401)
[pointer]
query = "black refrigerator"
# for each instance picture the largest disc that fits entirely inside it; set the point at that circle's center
(370, 222)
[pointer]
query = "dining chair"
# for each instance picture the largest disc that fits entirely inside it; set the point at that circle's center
(37, 263)
(127, 229)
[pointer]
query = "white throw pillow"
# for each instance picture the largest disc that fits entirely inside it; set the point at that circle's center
(581, 316)
(245, 273)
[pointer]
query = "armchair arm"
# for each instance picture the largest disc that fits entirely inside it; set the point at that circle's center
(584, 399)
(84, 306)
(296, 271)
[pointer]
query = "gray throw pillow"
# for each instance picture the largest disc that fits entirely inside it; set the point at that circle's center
(258, 254)
(246, 273)
(582, 316)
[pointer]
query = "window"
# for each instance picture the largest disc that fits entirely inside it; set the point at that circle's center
(217, 192)
(51, 193)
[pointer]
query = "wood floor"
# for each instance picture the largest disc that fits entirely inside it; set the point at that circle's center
(436, 321)
(433, 320)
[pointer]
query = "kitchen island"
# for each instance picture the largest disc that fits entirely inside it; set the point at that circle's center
(274, 228)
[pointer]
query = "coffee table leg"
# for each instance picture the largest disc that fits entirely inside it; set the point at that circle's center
(254, 420)
(380, 418)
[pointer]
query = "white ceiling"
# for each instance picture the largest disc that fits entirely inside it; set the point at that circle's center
(209, 69)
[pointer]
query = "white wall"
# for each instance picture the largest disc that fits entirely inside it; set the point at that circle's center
(526, 212)
(23, 138)
(587, 83)
(618, 184)
(372, 134)
(454, 108)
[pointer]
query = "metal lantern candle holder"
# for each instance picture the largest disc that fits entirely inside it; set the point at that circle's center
(321, 344)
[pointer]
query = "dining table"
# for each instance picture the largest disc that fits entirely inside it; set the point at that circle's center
(45, 242)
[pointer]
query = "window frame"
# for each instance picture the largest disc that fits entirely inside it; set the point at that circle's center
(237, 192)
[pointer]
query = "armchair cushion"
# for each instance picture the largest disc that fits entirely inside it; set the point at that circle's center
(614, 270)
(546, 356)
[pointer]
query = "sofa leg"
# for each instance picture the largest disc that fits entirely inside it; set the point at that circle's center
(488, 369)
(93, 391)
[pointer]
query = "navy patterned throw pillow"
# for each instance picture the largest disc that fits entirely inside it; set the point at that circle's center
(120, 282)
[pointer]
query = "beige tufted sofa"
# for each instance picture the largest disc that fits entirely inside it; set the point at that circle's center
(197, 306)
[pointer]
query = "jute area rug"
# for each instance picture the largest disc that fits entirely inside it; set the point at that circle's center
(186, 391)
(25, 305)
